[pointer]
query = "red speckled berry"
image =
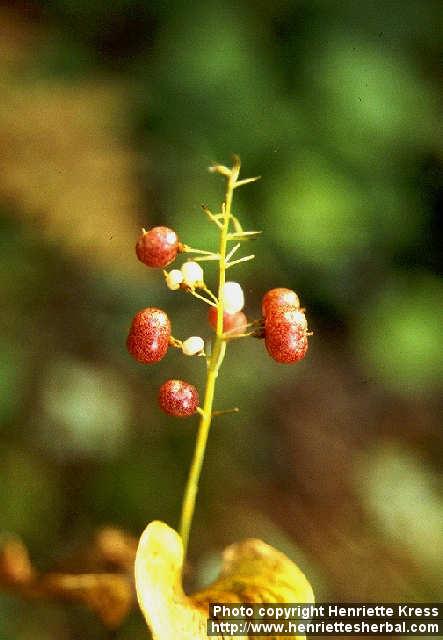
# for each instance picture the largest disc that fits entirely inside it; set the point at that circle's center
(232, 322)
(286, 336)
(277, 298)
(178, 398)
(148, 338)
(157, 247)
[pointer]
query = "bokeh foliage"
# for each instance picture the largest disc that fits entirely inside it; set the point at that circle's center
(110, 114)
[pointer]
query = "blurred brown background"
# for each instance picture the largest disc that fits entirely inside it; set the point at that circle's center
(110, 114)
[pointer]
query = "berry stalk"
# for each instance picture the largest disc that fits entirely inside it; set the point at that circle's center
(214, 364)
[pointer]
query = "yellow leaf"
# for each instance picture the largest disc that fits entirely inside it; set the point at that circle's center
(252, 571)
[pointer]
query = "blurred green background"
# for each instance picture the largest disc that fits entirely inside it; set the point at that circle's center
(110, 114)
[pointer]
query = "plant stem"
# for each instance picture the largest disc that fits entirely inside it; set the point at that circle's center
(217, 356)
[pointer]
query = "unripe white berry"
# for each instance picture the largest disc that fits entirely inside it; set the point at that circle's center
(192, 273)
(174, 279)
(193, 345)
(234, 299)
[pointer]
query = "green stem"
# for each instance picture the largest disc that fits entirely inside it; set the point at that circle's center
(217, 356)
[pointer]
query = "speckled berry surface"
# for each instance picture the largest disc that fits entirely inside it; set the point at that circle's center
(286, 336)
(232, 322)
(286, 344)
(148, 337)
(178, 398)
(279, 297)
(157, 247)
(286, 314)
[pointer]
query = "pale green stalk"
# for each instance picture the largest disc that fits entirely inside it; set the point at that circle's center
(215, 361)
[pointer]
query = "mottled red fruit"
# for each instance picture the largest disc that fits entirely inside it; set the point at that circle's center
(232, 322)
(277, 298)
(157, 247)
(286, 336)
(148, 338)
(178, 398)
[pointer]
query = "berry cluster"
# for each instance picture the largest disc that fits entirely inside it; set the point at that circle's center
(150, 332)
(283, 325)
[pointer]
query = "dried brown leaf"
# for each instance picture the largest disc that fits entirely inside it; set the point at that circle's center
(109, 595)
